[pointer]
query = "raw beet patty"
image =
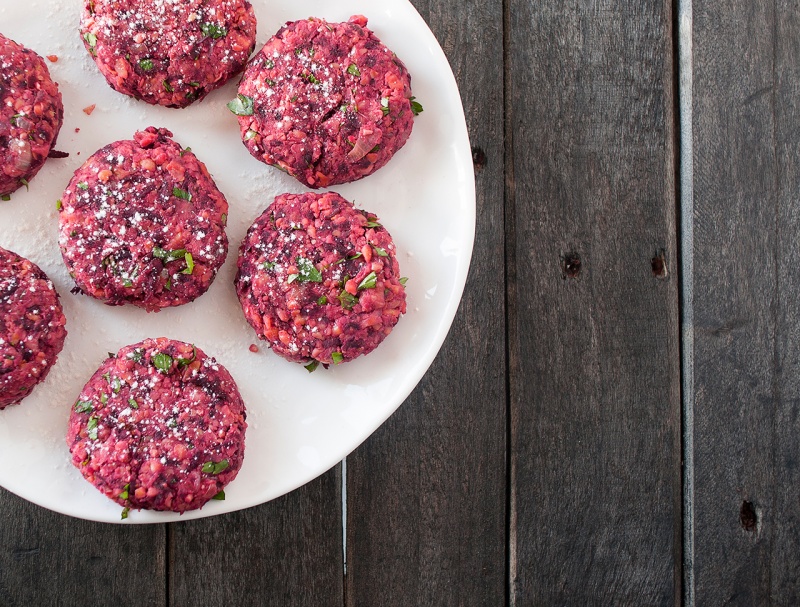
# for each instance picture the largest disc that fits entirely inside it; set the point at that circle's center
(326, 102)
(32, 327)
(31, 114)
(168, 52)
(142, 222)
(319, 279)
(159, 426)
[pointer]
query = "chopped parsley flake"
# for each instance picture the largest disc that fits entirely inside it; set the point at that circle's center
(82, 186)
(83, 406)
(353, 70)
(189, 264)
(385, 105)
(132, 402)
(146, 64)
(91, 428)
(369, 282)
(215, 467)
(307, 272)
(219, 496)
(168, 256)
(137, 354)
(312, 78)
(91, 40)
(59, 205)
(416, 106)
(162, 362)
(242, 105)
(24, 182)
(124, 494)
(179, 193)
(381, 252)
(337, 357)
(5, 197)
(322, 300)
(403, 280)
(213, 31)
(372, 224)
(125, 513)
(347, 301)
(312, 366)
(167, 87)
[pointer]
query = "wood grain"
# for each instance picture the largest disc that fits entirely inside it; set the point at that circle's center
(746, 280)
(426, 493)
(51, 559)
(284, 553)
(595, 393)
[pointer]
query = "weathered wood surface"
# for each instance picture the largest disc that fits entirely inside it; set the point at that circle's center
(746, 280)
(426, 499)
(594, 334)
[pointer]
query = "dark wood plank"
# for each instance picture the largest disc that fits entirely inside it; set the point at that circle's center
(426, 493)
(284, 553)
(594, 333)
(51, 559)
(746, 280)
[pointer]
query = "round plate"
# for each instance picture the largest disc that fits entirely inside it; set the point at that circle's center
(300, 424)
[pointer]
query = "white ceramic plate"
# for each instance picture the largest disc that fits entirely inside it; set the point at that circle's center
(300, 424)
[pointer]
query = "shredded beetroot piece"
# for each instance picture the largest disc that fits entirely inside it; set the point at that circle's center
(330, 103)
(159, 426)
(32, 327)
(319, 279)
(31, 114)
(142, 222)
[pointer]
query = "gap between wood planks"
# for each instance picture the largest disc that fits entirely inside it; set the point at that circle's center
(686, 259)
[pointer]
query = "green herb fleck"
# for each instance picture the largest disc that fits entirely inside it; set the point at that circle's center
(132, 402)
(189, 264)
(146, 64)
(269, 63)
(116, 385)
(385, 105)
(372, 224)
(312, 78)
(267, 265)
(168, 256)
(219, 496)
(59, 205)
(82, 186)
(369, 282)
(322, 300)
(5, 197)
(103, 398)
(179, 193)
(186, 150)
(168, 87)
(353, 70)
(125, 511)
(215, 467)
(381, 252)
(24, 182)
(162, 362)
(124, 494)
(249, 135)
(307, 272)
(213, 31)
(347, 301)
(185, 362)
(416, 106)
(91, 428)
(83, 406)
(403, 280)
(242, 105)
(137, 355)
(172, 423)
(337, 357)
(91, 40)
(312, 366)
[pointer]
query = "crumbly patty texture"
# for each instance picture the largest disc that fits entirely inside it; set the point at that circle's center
(319, 279)
(325, 102)
(159, 426)
(32, 327)
(31, 114)
(142, 222)
(168, 52)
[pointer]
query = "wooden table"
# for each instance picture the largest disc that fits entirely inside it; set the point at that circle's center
(614, 417)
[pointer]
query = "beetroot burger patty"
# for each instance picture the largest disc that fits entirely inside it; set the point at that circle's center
(159, 426)
(31, 114)
(166, 52)
(319, 279)
(326, 102)
(142, 222)
(32, 327)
